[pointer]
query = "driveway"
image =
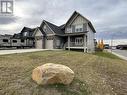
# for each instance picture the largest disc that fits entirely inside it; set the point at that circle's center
(4, 52)
(121, 53)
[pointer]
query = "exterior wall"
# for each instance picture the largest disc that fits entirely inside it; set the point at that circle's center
(5, 43)
(78, 21)
(39, 40)
(18, 43)
(90, 40)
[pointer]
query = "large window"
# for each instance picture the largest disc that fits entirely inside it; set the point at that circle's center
(79, 28)
(5, 40)
(79, 41)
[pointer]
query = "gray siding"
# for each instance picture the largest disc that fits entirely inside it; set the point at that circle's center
(73, 28)
(85, 27)
(78, 21)
(5, 43)
(48, 30)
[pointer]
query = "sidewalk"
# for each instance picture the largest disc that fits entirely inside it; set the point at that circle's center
(4, 52)
(119, 55)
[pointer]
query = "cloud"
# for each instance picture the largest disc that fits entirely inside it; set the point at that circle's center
(107, 16)
(7, 19)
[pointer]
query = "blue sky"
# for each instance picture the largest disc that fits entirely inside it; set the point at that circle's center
(109, 17)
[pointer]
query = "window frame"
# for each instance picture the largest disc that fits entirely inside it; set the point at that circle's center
(5, 41)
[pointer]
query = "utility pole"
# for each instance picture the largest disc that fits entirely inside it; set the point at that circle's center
(111, 43)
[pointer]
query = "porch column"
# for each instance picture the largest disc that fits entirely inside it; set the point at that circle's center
(68, 42)
(84, 43)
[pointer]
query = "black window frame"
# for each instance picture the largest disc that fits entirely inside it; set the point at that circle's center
(14, 41)
(22, 40)
(5, 40)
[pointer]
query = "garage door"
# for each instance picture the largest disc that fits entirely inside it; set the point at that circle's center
(39, 44)
(49, 44)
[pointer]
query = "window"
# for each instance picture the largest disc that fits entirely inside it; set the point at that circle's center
(25, 33)
(79, 28)
(14, 41)
(45, 28)
(5, 40)
(69, 29)
(79, 41)
(22, 41)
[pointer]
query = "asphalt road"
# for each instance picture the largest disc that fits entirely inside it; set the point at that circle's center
(121, 53)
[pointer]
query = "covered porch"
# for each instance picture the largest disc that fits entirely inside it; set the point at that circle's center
(77, 42)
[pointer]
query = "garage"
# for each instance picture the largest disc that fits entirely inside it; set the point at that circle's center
(38, 43)
(49, 44)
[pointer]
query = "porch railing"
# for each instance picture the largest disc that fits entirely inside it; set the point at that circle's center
(76, 44)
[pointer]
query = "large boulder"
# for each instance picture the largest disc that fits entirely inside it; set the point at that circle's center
(52, 74)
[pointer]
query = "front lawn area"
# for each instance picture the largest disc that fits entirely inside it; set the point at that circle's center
(95, 74)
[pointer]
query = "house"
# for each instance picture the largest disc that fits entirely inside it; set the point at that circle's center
(24, 39)
(26, 36)
(77, 33)
(5, 40)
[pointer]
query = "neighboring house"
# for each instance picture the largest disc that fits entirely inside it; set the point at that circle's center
(5, 40)
(77, 33)
(24, 39)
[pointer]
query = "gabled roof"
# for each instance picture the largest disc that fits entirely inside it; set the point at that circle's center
(17, 36)
(53, 27)
(27, 29)
(62, 26)
(76, 14)
(39, 28)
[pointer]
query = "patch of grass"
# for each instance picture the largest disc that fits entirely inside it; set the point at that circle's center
(106, 54)
(94, 75)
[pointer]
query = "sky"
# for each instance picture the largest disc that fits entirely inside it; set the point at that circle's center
(109, 17)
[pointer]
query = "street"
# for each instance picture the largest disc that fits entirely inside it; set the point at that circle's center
(121, 53)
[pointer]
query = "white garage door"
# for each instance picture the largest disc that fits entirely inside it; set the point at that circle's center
(49, 44)
(39, 44)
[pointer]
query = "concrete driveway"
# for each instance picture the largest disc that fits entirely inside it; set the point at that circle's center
(4, 52)
(120, 53)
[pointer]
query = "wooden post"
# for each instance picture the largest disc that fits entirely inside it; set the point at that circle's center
(84, 43)
(68, 42)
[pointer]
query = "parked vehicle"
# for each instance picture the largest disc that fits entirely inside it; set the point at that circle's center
(121, 47)
(106, 46)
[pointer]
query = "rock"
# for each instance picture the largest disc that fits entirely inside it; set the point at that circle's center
(52, 74)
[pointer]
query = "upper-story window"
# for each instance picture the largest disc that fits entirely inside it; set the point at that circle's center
(79, 28)
(69, 29)
(44, 28)
(25, 34)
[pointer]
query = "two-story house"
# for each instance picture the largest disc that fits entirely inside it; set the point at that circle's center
(77, 33)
